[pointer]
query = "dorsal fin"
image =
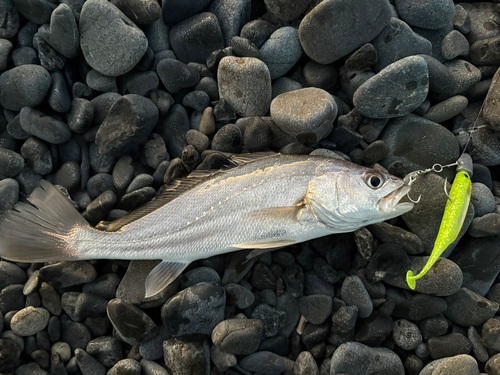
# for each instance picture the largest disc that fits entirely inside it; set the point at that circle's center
(174, 190)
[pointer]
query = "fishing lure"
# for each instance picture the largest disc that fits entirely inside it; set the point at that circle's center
(454, 213)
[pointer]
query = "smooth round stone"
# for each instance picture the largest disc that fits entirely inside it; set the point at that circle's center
(354, 22)
(227, 139)
(194, 310)
(9, 193)
(24, 86)
(281, 51)
(5, 49)
(482, 199)
(305, 114)
(133, 325)
(238, 336)
(111, 43)
(352, 357)
(44, 127)
(317, 308)
(257, 31)
(266, 363)
(486, 225)
(68, 273)
(129, 122)
(246, 85)
(106, 349)
(243, 47)
(305, 364)
(455, 44)
(447, 109)
(440, 147)
(364, 57)
(467, 308)
(195, 38)
(232, 15)
(283, 85)
(176, 75)
(152, 368)
(69, 176)
(425, 13)
(37, 155)
(396, 91)
(457, 364)
(199, 140)
(406, 334)
(11, 22)
(396, 41)
(175, 11)
(155, 151)
(37, 11)
(100, 82)
(198, 100)
(490, 334)
(287, 11)
(62, 33)
(102, 104)
(11, 163)
(127, 366)
(29, 321)
(199, 275)
(142, 83)
(140, 12)
(25, 56)
(98, 209)
(423, 306)
(88, 364)
(354, 293)
(58, 98)
(319, 75)
(486, 52)
(174, 128)
(208, 85)
(375, 152)
(239, 296)
(448, 345)
(258, 135)
(493, 365)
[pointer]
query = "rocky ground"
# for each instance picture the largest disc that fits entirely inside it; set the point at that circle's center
(110, 100)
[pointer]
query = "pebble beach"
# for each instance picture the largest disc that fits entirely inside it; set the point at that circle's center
(112, 101)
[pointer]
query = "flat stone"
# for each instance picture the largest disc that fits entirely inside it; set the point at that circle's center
(446, 109)
(29, 321)
(355, 23)
(246, 84)
(426, 14)
(455, 44)
(62, 33)
(467, 308)
(281, 51)
(396, 91)
(111, 43)
(238, 336)
(44, 127)
(305, 114)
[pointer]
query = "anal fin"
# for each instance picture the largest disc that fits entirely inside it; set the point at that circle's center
(162, 275)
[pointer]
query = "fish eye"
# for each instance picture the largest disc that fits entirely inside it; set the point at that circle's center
(374, 181)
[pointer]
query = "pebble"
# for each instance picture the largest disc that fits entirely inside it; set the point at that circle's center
(197, 139)
(406, 334)
(62, 349)
(62, 32)
(11, 163)
(482, 199)
(486, 52)
(467, 308)
(316, 308)
(106, 349)
(208, 85)
(306, 114)
(68, 273)
(352, 357)
(12, 298)
(29, 321)
(69, 176)
(354, 293)
(129, 122)
(396, 41)
(409, 88)
(243, 47)
(44, 127)
(266, 363)
(100, 49)
(195, 38)
(486, 225)
(238, 336)
(448, 345)
(490, 334)
(178, 10)
(152, 349)
(140, 181)
(478, 348)
(222, 360)
(81, 115)
(305, 364)
(87, 364)
(257, 31)
(24, 86)
(155, 151)
(140, 12)
(199, 275)
(344, 318)
(245, 83)
(186, 356)
(50, 299)
(9, 193)
(493, 365)
(455, 44)
(273, 319)
(458, 364)
(423, 306)
(127, 366)
(194, 310)
(133, 325)
(75, 334)
(152, 368)
(176, 75)
(446, 109)
(101, 82)
(99, 183)
(228, 139)
(426, 14)
(281, 51)
(490, 111)
(232, 15)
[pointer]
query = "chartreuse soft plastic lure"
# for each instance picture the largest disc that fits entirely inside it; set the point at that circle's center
(453, 219)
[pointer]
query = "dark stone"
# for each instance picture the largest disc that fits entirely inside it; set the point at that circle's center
(68, 273)
(174, 128)
(140, 12)
(106, 349)
(176, 75)
(35, 11)
(44, 127)
(178, 10)
(50, 59)
(373, 330)
(11, 163)
(10, 355)
(75, 334)
(266, 363)
(238, 336)
(426, 14)
(257, 31)
(467, 308)
(228, 139)
(281, 51)
(186, 356)
(88, 364)
(273, 320)
(449, 345)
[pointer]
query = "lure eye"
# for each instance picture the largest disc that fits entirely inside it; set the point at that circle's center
(375, 181)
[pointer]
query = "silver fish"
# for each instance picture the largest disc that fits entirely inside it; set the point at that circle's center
(263, 204)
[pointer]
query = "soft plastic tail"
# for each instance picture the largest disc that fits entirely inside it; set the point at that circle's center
(41, 231)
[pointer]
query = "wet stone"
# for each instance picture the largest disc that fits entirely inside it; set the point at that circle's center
(281, 51)
(176, 75)
(359, 23)
(106, 349)
(227, 139)
(185, 356)
(29, 321)
(194, 310)
(375, 99)
(446, 109)
(238, 336)
(239, 296)
(449, 345)
(68, 273)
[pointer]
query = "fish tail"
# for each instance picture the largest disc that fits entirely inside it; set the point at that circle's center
(41, 231)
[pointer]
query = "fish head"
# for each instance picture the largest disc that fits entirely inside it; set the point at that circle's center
(352, 198)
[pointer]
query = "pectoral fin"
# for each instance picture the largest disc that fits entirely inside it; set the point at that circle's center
(162, 275)
(292, 212)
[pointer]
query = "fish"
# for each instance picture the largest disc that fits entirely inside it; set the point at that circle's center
(264, 203)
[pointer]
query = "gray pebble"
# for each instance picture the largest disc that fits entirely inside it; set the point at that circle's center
(68, 273)
(50, 59)
(238, 336)
(354, 293)
(100, 49)
(157, 34)
(100, 82)
(75, 334)
(68, 176)
(284, 84)
(5, 49)
(81, 115)
(12, 298)
(239, 296)
(406, 334)
(247, 75)
(152, 368)
(155, 151)
(227, 139)
(257, 31)
(62, 349)
(297, 113)
(50, 299)
(106, 349)
(141, 83)
(273, 320)
(87, 364)
(11, 163)
(199, 140)
(62, 34)
(232, 15)
(127, 366)
(305, 364)
(58, 98)
(482, 199)
(461, 21)
(140, 181)
(198, 100)
(99, 183)
(29, 321)
(477, 345)
(208, 85)
(25, 56)
(38, 12)
(316, 308)
(123, 173)
(446, 109)
(322, 76)
(152, 349)
(426, 14)
(455, 44)
(137, 198)
(44, 127)
(281, 51)
(140, 12)
(9, 194)
(176, 75)
(448, 345)
(243, 47)
(199, 275)
(222, 360)
(266, 363)
(467, 308)
(486, 225)
(178, 10)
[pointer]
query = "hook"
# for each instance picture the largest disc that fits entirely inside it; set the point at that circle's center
(445, 191)
(411, 200)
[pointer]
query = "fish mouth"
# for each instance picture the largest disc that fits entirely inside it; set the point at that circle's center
(390, 203)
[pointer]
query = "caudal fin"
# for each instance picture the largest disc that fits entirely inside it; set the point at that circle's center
(40, 231)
